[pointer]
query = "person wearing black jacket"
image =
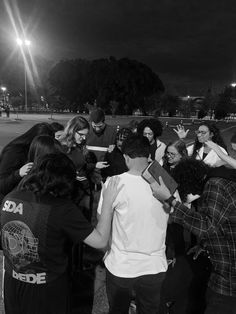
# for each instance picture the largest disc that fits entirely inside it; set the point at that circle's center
(13, 159)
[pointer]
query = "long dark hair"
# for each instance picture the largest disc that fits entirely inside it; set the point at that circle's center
(54, 174)
(216, 138)
(43, 145)
(26, 138)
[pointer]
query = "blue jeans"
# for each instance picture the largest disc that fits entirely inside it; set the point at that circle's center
(147, 293)
(219, 304)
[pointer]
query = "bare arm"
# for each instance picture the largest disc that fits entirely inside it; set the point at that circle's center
(100, 235)
(226, 158)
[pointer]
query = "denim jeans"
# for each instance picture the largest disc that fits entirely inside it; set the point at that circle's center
(147, 293)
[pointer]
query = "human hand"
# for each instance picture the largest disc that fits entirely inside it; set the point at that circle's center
(180, 131)
(160, 191)
(111, 191)
(197, 250)
(110, 148)
(214, 146)
(102, 164)
(24, 170)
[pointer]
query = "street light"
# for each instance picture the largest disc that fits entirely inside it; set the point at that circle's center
(24, 43)
(3, 88)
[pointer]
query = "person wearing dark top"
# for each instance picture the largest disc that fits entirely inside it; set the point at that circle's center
(213, 222)
(115, 159)
(39, 224)
(13, 159)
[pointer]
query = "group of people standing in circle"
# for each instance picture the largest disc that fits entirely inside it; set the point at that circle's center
(51, 180)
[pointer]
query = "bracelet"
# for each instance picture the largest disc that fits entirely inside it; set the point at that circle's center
(170, 200)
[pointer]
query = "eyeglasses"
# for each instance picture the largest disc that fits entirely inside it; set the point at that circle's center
(81, 135)
(201, 132)
(172, 155)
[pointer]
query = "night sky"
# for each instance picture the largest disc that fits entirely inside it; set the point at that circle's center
(190, 44)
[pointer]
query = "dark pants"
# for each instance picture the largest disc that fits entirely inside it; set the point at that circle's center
(219, 304)
(147, 290)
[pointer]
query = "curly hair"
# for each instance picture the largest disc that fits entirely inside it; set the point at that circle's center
(154, 124)
(216, 138)
(54, 174)
(190, 174)
(74, 125)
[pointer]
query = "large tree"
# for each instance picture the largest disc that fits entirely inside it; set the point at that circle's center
(126, 82)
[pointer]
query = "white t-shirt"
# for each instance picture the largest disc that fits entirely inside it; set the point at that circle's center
(211, 159)
(138, 231)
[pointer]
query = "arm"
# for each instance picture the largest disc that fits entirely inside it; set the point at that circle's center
(11, 171)
(210, 216)
(226, 158)
(100, 235)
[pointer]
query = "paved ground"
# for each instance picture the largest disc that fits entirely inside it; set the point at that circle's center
(89, 290)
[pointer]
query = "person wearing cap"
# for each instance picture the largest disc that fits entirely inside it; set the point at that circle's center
(101, 135)
(115, 159)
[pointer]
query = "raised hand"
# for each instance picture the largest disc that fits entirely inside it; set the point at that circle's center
(180, 131)
(160, 191)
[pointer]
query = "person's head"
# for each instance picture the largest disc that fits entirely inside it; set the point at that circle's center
(122, 135)
(135, 147)
(233, 141)
(97, 118)
(76, 132)
(58, 129)
(133, 125)
(43, 145)
(54, 174)
(38, 129)
(150, 128)
(175, 151)
(190, 174)
(207, 131)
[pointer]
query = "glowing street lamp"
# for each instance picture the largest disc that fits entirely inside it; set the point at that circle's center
(3, 88)
(24, 43)
(233, 84)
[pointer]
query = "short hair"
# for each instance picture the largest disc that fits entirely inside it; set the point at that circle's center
(43, 145)
(57, 126)
(136, 146)
(97, 115)
(74, 125)
(54, 174)
(190, 174)
(154, 124)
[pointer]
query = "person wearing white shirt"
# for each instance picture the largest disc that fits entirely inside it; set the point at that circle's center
(136, 258)
(200, 150)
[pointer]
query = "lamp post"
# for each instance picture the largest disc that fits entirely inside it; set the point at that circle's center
(24, 43)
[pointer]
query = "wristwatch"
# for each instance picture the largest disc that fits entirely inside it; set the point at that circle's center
(170, 200)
